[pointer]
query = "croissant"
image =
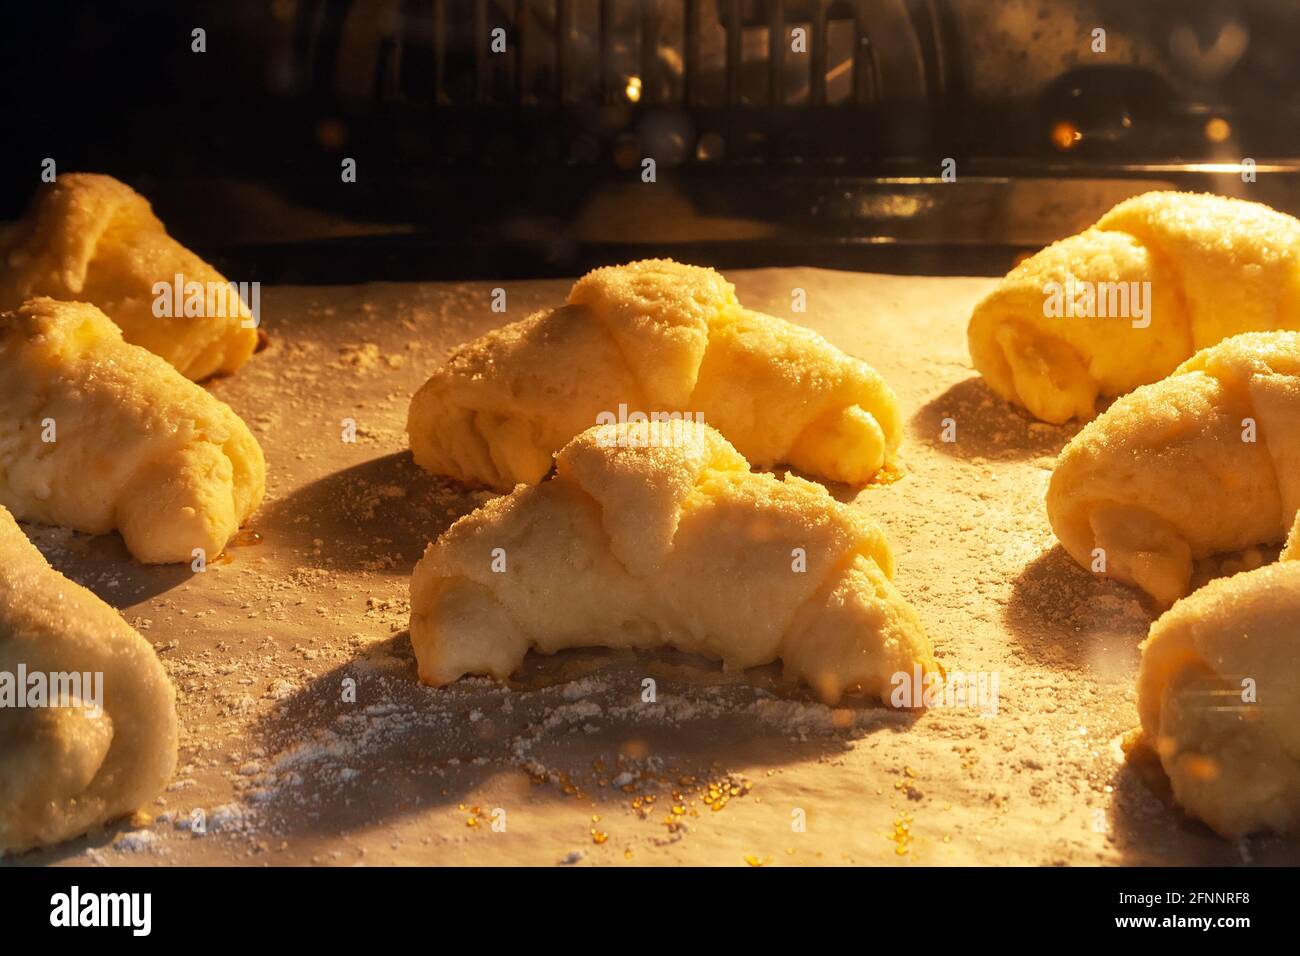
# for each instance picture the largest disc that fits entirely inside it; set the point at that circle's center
(99, 434)
(1219, 700)
(1121, 304)
(1203, 462)
(657, 338)
(91, 238)
(88, 722)
(645, 541)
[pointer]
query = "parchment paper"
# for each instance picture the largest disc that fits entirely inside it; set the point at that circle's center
(569, 764)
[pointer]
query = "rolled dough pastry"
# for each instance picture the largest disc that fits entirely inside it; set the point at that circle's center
(1214, 268)
(1219, 698)
(1204, 462)
(675, 545)
(98, 434)
(93, 239)
(652, 337)
(65, 769)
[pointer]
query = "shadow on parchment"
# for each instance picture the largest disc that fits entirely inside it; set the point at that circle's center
(376, 516)
(1062, 615)
(986, 426)
(1150, 829)
(102, 564)
(404, 748)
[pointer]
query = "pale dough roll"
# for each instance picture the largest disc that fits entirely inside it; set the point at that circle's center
(1167, 476)
(652, 337)
(136, 446)
(676, 544)
(782, 393)
(469, 422)
(1219, 698)
(93, 239)
(64, 770)
(1217, 267)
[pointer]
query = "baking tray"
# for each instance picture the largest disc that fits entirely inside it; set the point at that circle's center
(568, 764)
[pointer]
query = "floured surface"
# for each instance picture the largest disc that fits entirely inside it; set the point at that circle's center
(570, 763)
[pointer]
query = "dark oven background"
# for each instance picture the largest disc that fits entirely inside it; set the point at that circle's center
(472, 162)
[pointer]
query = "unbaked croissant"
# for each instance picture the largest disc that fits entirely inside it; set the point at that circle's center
(1214, 267)
(93, 239)
(644, 541)
(65, 769)
(1219, 698)
(652, 337)
(98, 434)
(1203, 462)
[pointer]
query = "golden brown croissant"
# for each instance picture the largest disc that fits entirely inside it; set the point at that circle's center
(1159, 277)
(1219, 698)
(652, 337)
(1203, 462)
(94, 736)
(93, 239)
(641, 542)
(99, 434)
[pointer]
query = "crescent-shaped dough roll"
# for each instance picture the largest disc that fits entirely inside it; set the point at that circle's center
(93, 239)
(1204, 462)
(652, 337)
(1219, 698)
(65, 769)
(98, 434)
(1216, 267)
(641, 541)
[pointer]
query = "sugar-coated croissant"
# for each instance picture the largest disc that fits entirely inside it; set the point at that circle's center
(1204, 462)
(652, 337)
(1159, 277)
(1219, 698)
(87, 714)
(93, 239)
(642, 540)
(98, 434)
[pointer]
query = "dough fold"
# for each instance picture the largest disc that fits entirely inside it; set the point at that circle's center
(1217, 267)
(66, 769)
(1219, 701)
(642, 540)
(99, 434)
(93, 239)
(1204, 462)
(652, 337)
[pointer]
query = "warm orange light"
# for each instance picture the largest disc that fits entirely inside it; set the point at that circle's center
(1217, 130)
(1065, 135)
(331, 134)
(633, 89)
(1201, 768)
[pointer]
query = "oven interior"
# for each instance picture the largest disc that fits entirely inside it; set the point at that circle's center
(911, 136)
